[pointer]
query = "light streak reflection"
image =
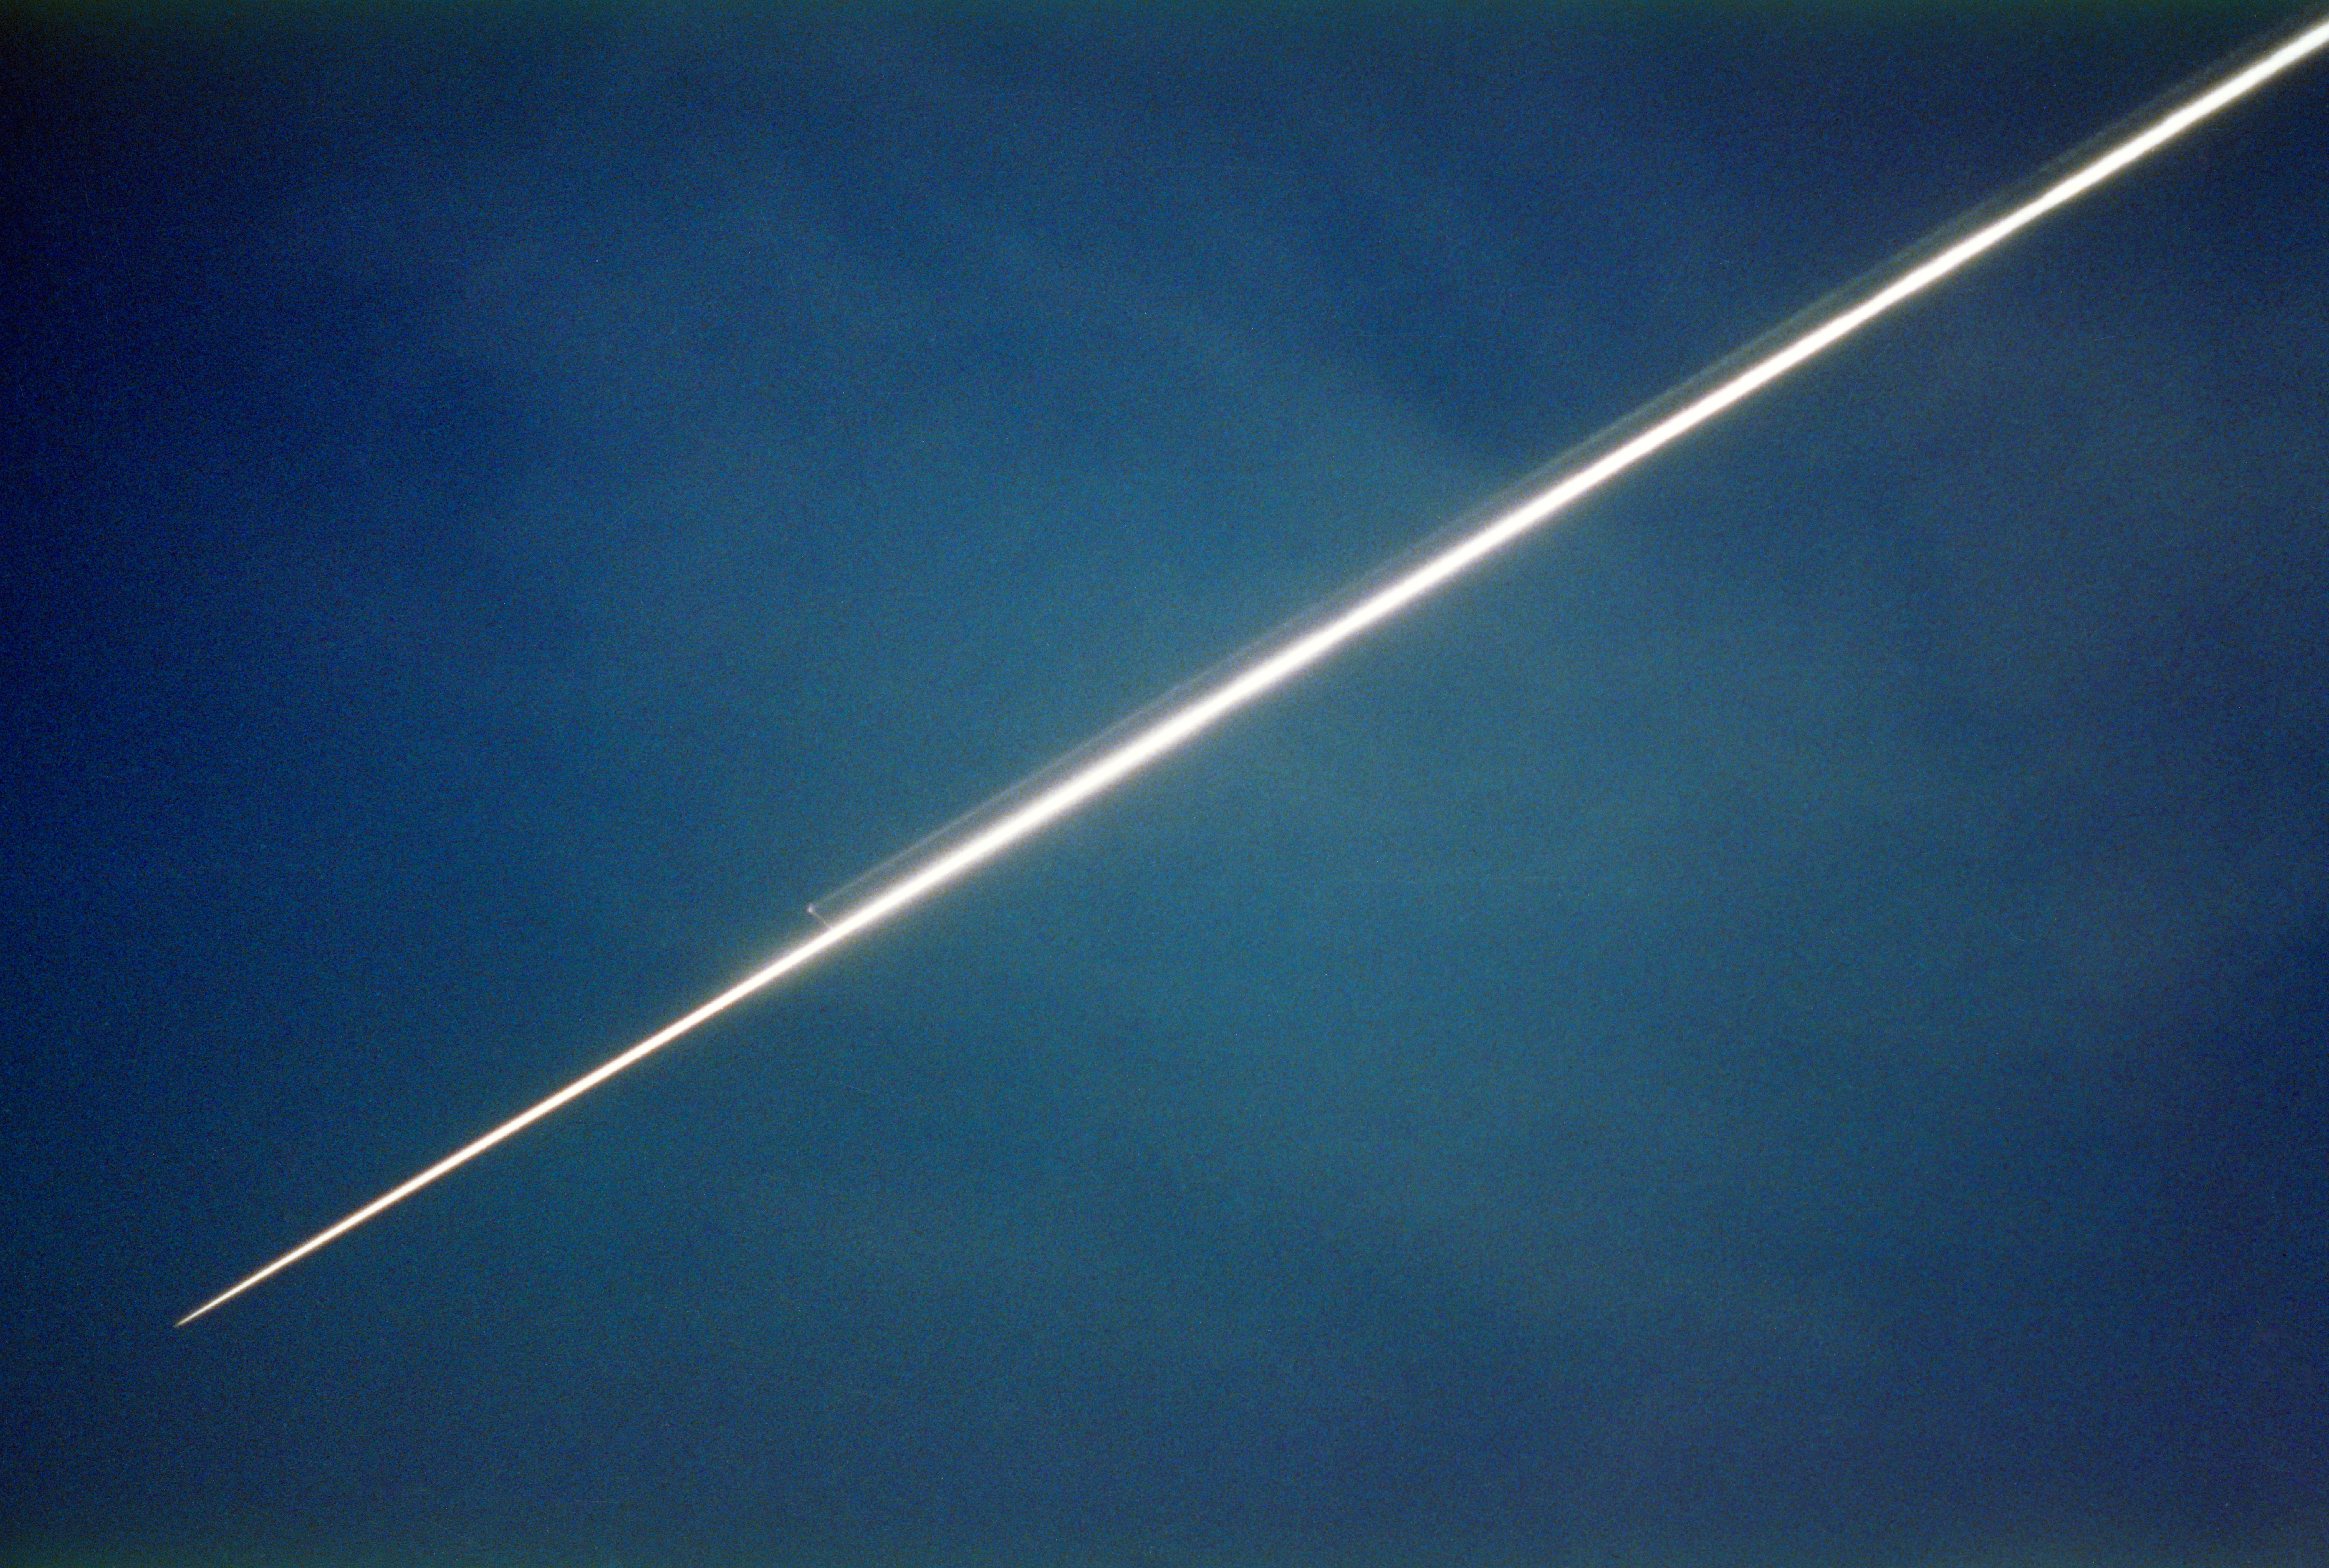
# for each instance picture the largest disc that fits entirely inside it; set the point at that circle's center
(1164, 726)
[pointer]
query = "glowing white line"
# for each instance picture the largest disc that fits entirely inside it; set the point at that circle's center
(1281, 662)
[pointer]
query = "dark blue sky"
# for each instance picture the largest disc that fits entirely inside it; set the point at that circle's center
(1784, 1015)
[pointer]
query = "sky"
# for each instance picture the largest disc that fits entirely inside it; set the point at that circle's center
(1779, 1021)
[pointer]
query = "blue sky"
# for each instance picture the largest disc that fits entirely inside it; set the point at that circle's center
(1787, 1012)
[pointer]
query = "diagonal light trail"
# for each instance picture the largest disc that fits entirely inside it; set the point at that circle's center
(1171, 723)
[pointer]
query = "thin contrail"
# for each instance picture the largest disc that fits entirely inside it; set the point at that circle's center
(1188, 710)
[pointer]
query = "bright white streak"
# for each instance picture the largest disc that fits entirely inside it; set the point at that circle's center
(1281, 664)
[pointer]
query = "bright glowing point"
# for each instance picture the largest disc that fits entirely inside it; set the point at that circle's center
(1167, 725)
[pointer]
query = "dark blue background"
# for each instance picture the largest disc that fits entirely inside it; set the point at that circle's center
(1784, 1018)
